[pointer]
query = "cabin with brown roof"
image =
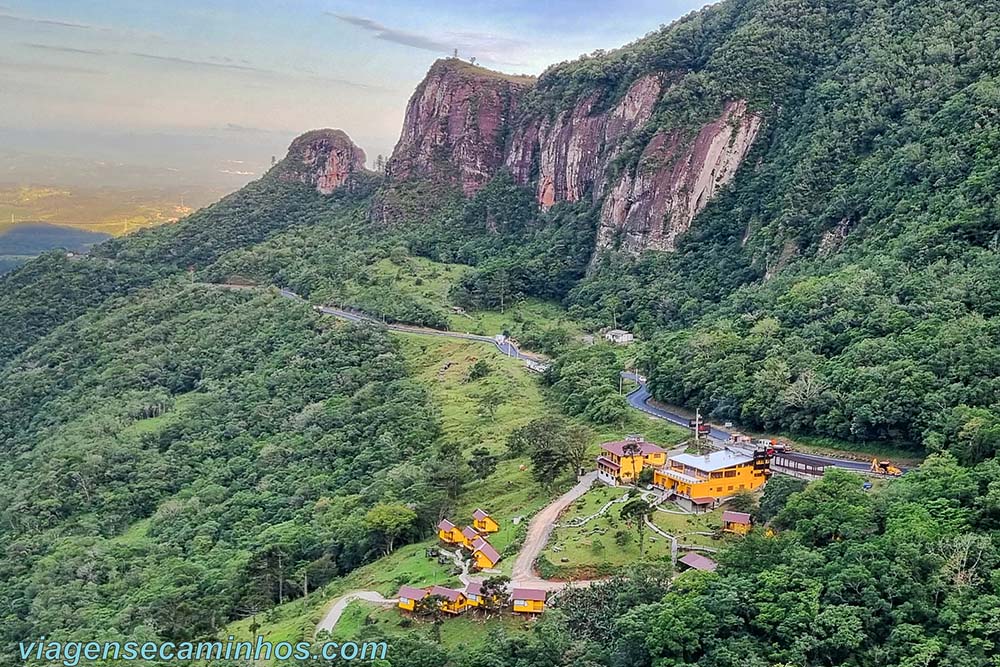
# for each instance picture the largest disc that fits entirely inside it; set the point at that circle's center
(484, 523)
(696, 561)
(408, 596)
(469, 535)
(485, 556)
(449, 532)
(452, 602)
(528, 600)
(736, 522)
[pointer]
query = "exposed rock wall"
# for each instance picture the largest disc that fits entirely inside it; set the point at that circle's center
(324, 159)
(651, 205)
(464, 124)
(574, 150)
(456, 125)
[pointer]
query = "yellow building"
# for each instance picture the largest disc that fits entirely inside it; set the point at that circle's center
(452, 602)
(483, 522)
(485, 556)
(409, 596)
(736, 522)
(528, 600)
(449, 532)
(621, 461)
(467, 536)
(714, 476)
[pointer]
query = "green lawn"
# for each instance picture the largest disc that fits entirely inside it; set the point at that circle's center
(364, 620)
(684, 526)
(601, 546)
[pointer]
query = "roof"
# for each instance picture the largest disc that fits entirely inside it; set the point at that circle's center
(736, 517)
(445, 525)
(487, 550)
(699, 562)
(680, 477)
(479, 515)
(608, 462)
(470, 533)
(704, 500)
(618, 332)
(411, 593)
(474, 588)
(645, 448)
(719, 460)
(528, 594)
(448, 593)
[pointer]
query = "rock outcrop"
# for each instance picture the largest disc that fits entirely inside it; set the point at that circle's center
(456, 125)
(465, 124)
(325, 159)
(574, 150)
(676, 177)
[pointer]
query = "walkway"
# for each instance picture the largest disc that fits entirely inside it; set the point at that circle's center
(339, 605)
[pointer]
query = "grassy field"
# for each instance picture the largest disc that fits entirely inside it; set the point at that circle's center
(602, 545)
(686, 526)
(470, 629)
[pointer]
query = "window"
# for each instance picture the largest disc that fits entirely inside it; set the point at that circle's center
(730, 487)
(404, 600)
(731, 473)
(520, 603)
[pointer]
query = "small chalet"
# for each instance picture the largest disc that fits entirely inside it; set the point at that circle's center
(736, 522)
(619, 337)
(449, 532)
(485, 555)
(453, 602)
(483, 522)
(528, 600)
(468, 536)
(696, 561)
(408, 597)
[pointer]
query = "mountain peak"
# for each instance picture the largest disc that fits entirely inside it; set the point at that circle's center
(324, 158)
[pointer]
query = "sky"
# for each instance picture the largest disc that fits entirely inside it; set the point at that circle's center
(135, 92)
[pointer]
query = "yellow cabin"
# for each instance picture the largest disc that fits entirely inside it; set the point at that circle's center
(621, 461)
(449, 532)
(453, 602)
(474, 594)
(483, 522)
(467, 536)
(736, 522)
(528, 600)
(408, 596)
(484, 555)
(716, 475)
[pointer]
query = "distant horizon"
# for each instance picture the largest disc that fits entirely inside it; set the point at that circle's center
(180, 95)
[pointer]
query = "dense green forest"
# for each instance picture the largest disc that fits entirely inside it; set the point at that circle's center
(176, 454)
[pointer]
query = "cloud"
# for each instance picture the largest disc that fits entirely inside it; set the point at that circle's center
(64, 49)
(176, 60)
(48, 22)
(44, 68)
(388, 34)
(492, 48)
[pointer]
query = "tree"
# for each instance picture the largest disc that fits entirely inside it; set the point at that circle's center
(390, 521)
(637, 511)
(743, 501)
(483, 463)
(776, 494)
(495, 595)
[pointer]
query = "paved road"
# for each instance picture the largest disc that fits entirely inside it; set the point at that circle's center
(640, 400)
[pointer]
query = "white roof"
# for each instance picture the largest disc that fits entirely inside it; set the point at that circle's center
(724, 458)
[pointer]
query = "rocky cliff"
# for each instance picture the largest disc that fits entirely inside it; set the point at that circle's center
(464, 124)
(325, 159)
(656, 201)
(456, 125)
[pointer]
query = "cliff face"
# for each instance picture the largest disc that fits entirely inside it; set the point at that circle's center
(456, 124)
(464, 124)
(322, 158)
(651, 205)
(573, 150)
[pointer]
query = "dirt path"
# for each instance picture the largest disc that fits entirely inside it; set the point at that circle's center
(336, 609)
(539, 531)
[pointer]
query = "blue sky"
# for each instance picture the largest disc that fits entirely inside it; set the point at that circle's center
(216, 87)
